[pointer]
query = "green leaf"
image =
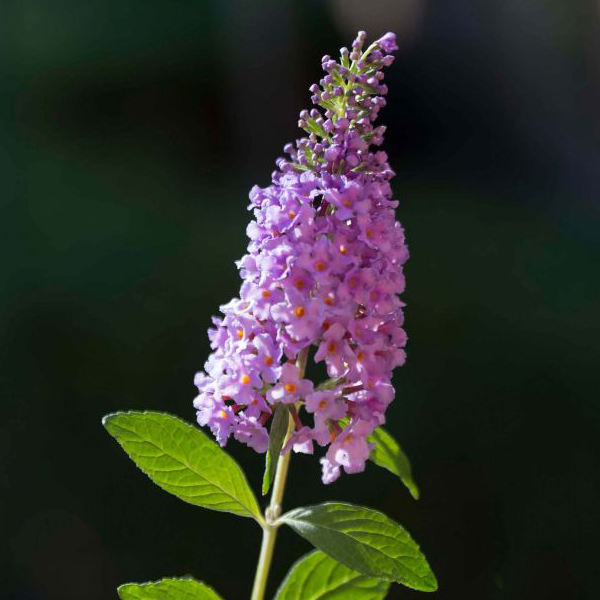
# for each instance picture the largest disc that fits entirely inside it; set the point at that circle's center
(279, 427)
(364, 540)
(168, 589)
(183, 461)
(316, 576)
(388, 454)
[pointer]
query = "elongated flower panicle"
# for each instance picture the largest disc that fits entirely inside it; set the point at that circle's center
(323, 269)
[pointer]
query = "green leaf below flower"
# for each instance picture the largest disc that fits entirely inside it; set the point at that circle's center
(317, 576)
(279, 427)
(183, 461)
(168, 589)
(388, 454)
(364, 540)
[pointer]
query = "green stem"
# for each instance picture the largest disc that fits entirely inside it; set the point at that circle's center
(274, 509)
(269, 528)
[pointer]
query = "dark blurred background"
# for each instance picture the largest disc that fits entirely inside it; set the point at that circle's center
(131, 133)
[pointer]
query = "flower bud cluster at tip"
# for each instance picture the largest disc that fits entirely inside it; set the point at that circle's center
(348, 98)
(323, 271)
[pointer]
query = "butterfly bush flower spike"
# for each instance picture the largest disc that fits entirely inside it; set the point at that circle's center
(323, 270)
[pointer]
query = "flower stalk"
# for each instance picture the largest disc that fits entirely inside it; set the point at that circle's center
(273, 511)
(324, 271)
(270, 526)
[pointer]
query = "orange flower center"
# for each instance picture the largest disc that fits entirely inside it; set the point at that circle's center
(290, 388)
(245, 380)
(268, 361)
(320, 265)
(300, 312)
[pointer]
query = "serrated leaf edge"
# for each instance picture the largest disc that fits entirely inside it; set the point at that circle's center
(286, 517)
(407, 480)
(253, 512)
(168, 579)
(306, 557)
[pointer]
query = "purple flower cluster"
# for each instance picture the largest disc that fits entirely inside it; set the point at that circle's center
(323, 270)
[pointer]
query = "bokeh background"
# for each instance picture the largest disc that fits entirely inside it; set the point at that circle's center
(131, 132)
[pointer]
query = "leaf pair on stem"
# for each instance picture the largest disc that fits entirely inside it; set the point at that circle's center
(360, 550)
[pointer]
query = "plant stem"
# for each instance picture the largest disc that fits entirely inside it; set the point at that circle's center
(269, 528)
(274, 509)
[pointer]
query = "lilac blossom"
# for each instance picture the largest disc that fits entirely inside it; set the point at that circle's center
(323, 272)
